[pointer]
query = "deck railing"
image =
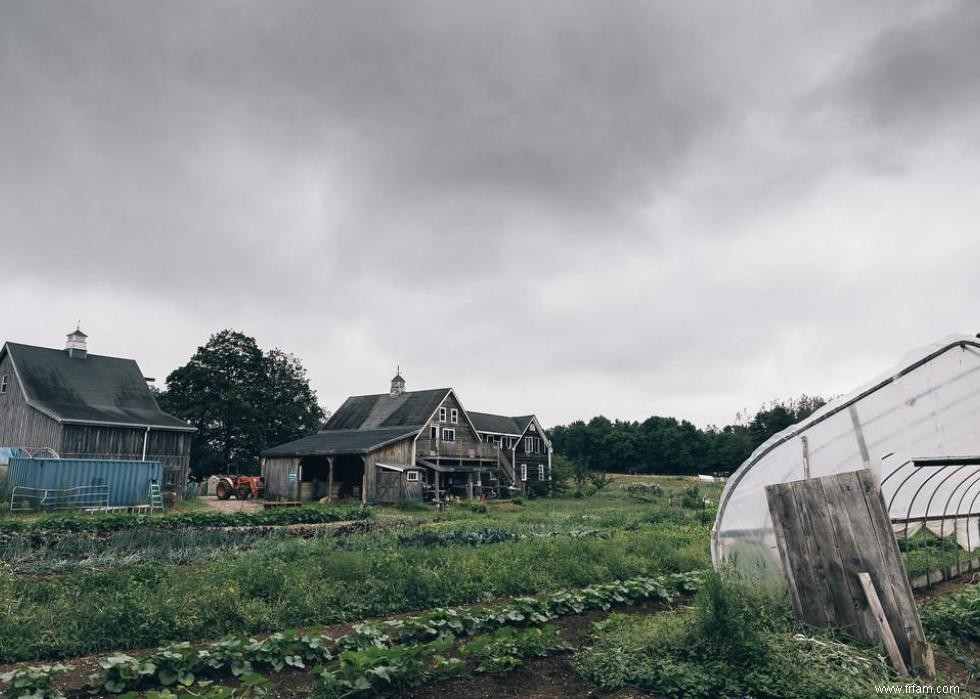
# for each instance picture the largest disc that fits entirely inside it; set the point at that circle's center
(441, 448)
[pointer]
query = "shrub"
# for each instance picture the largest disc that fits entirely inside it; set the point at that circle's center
(692, 499)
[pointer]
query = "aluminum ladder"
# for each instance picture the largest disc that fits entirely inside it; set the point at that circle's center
(156, 497)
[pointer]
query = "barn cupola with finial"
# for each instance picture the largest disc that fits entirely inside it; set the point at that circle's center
(397, 383)
(77, 344)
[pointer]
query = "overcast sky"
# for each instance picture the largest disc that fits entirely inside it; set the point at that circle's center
(568, 208)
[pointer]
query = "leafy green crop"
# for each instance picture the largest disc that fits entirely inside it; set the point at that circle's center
(185, 520)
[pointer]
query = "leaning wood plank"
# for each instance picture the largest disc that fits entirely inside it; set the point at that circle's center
(885, 631)
(841, 498)
(798, 558)
(826, 563)
(775, 499)
(892, 568)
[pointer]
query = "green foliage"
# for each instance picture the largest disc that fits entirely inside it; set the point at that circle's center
(366, 648)
(241, 400)
(33, 682)
(692, 498)
(645, 492)
(52, 525)
(291, 582)
(376, 669)
(726, 646)
(666, 445)
(180, 664)
(508, 647)
(954, 618)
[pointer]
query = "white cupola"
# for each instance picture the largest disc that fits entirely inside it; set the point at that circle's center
(397, 383)
(77, 345)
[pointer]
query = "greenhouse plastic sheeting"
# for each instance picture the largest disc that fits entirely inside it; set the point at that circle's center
(916, 427)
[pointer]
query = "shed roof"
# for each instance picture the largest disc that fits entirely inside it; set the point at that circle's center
(500, 424)
(331, 442)
(383, 410)
(94, 390)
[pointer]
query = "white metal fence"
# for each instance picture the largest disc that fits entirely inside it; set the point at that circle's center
(85, 497)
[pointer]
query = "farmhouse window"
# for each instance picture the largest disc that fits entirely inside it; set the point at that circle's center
(442, 414)
(433, 432)
(523, 472)
(411, 475)
(540, 472)
(448, 434)
(3, 384)
(529, 445)
(454, 416)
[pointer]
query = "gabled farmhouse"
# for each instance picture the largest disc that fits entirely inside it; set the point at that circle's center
(524, 439)
(403, 444)
(86, 406)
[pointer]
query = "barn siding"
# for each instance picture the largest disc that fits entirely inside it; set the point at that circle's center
(397, 453)
(20, 424)
(171, 448)
(276, 472)
(466, 437)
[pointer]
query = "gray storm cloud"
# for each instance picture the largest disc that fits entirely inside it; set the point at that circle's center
(631, 208)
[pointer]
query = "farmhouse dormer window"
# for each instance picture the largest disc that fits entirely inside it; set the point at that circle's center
(442, 414)
(454, 416)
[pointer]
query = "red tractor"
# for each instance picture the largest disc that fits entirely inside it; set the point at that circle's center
(242, 487)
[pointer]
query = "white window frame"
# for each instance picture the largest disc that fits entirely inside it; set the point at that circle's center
(448, 434)
(442, 414)
(523, 472)
(412, 476)
(3, 384)
(454, 416)
(540, 472)
(529, 445)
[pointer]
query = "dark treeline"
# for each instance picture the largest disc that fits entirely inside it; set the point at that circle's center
(665, 445)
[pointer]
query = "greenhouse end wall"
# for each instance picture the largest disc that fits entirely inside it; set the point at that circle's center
(916, 427)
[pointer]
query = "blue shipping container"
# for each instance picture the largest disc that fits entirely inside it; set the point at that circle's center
(128, 481)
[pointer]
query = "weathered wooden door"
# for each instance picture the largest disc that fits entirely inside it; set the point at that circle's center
(389, 486)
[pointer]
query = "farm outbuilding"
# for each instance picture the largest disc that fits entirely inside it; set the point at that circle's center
(916, 428)
(84, 406)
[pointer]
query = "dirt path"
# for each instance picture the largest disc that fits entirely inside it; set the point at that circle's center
(232, 505)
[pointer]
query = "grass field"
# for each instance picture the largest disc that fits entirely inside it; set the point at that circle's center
(103, 586)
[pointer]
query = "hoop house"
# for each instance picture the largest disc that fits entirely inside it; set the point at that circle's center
(916, 427)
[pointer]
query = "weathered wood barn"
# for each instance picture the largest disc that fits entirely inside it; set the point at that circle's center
(86, 406)
(403, 444)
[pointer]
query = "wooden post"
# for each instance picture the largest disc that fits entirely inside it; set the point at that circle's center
(469, 486)
(884, 630)
(438, 499)
(329, 479)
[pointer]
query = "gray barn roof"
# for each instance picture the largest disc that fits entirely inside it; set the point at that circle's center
(333, 442)
(382, 410)
(499, 424)
(93, 390)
